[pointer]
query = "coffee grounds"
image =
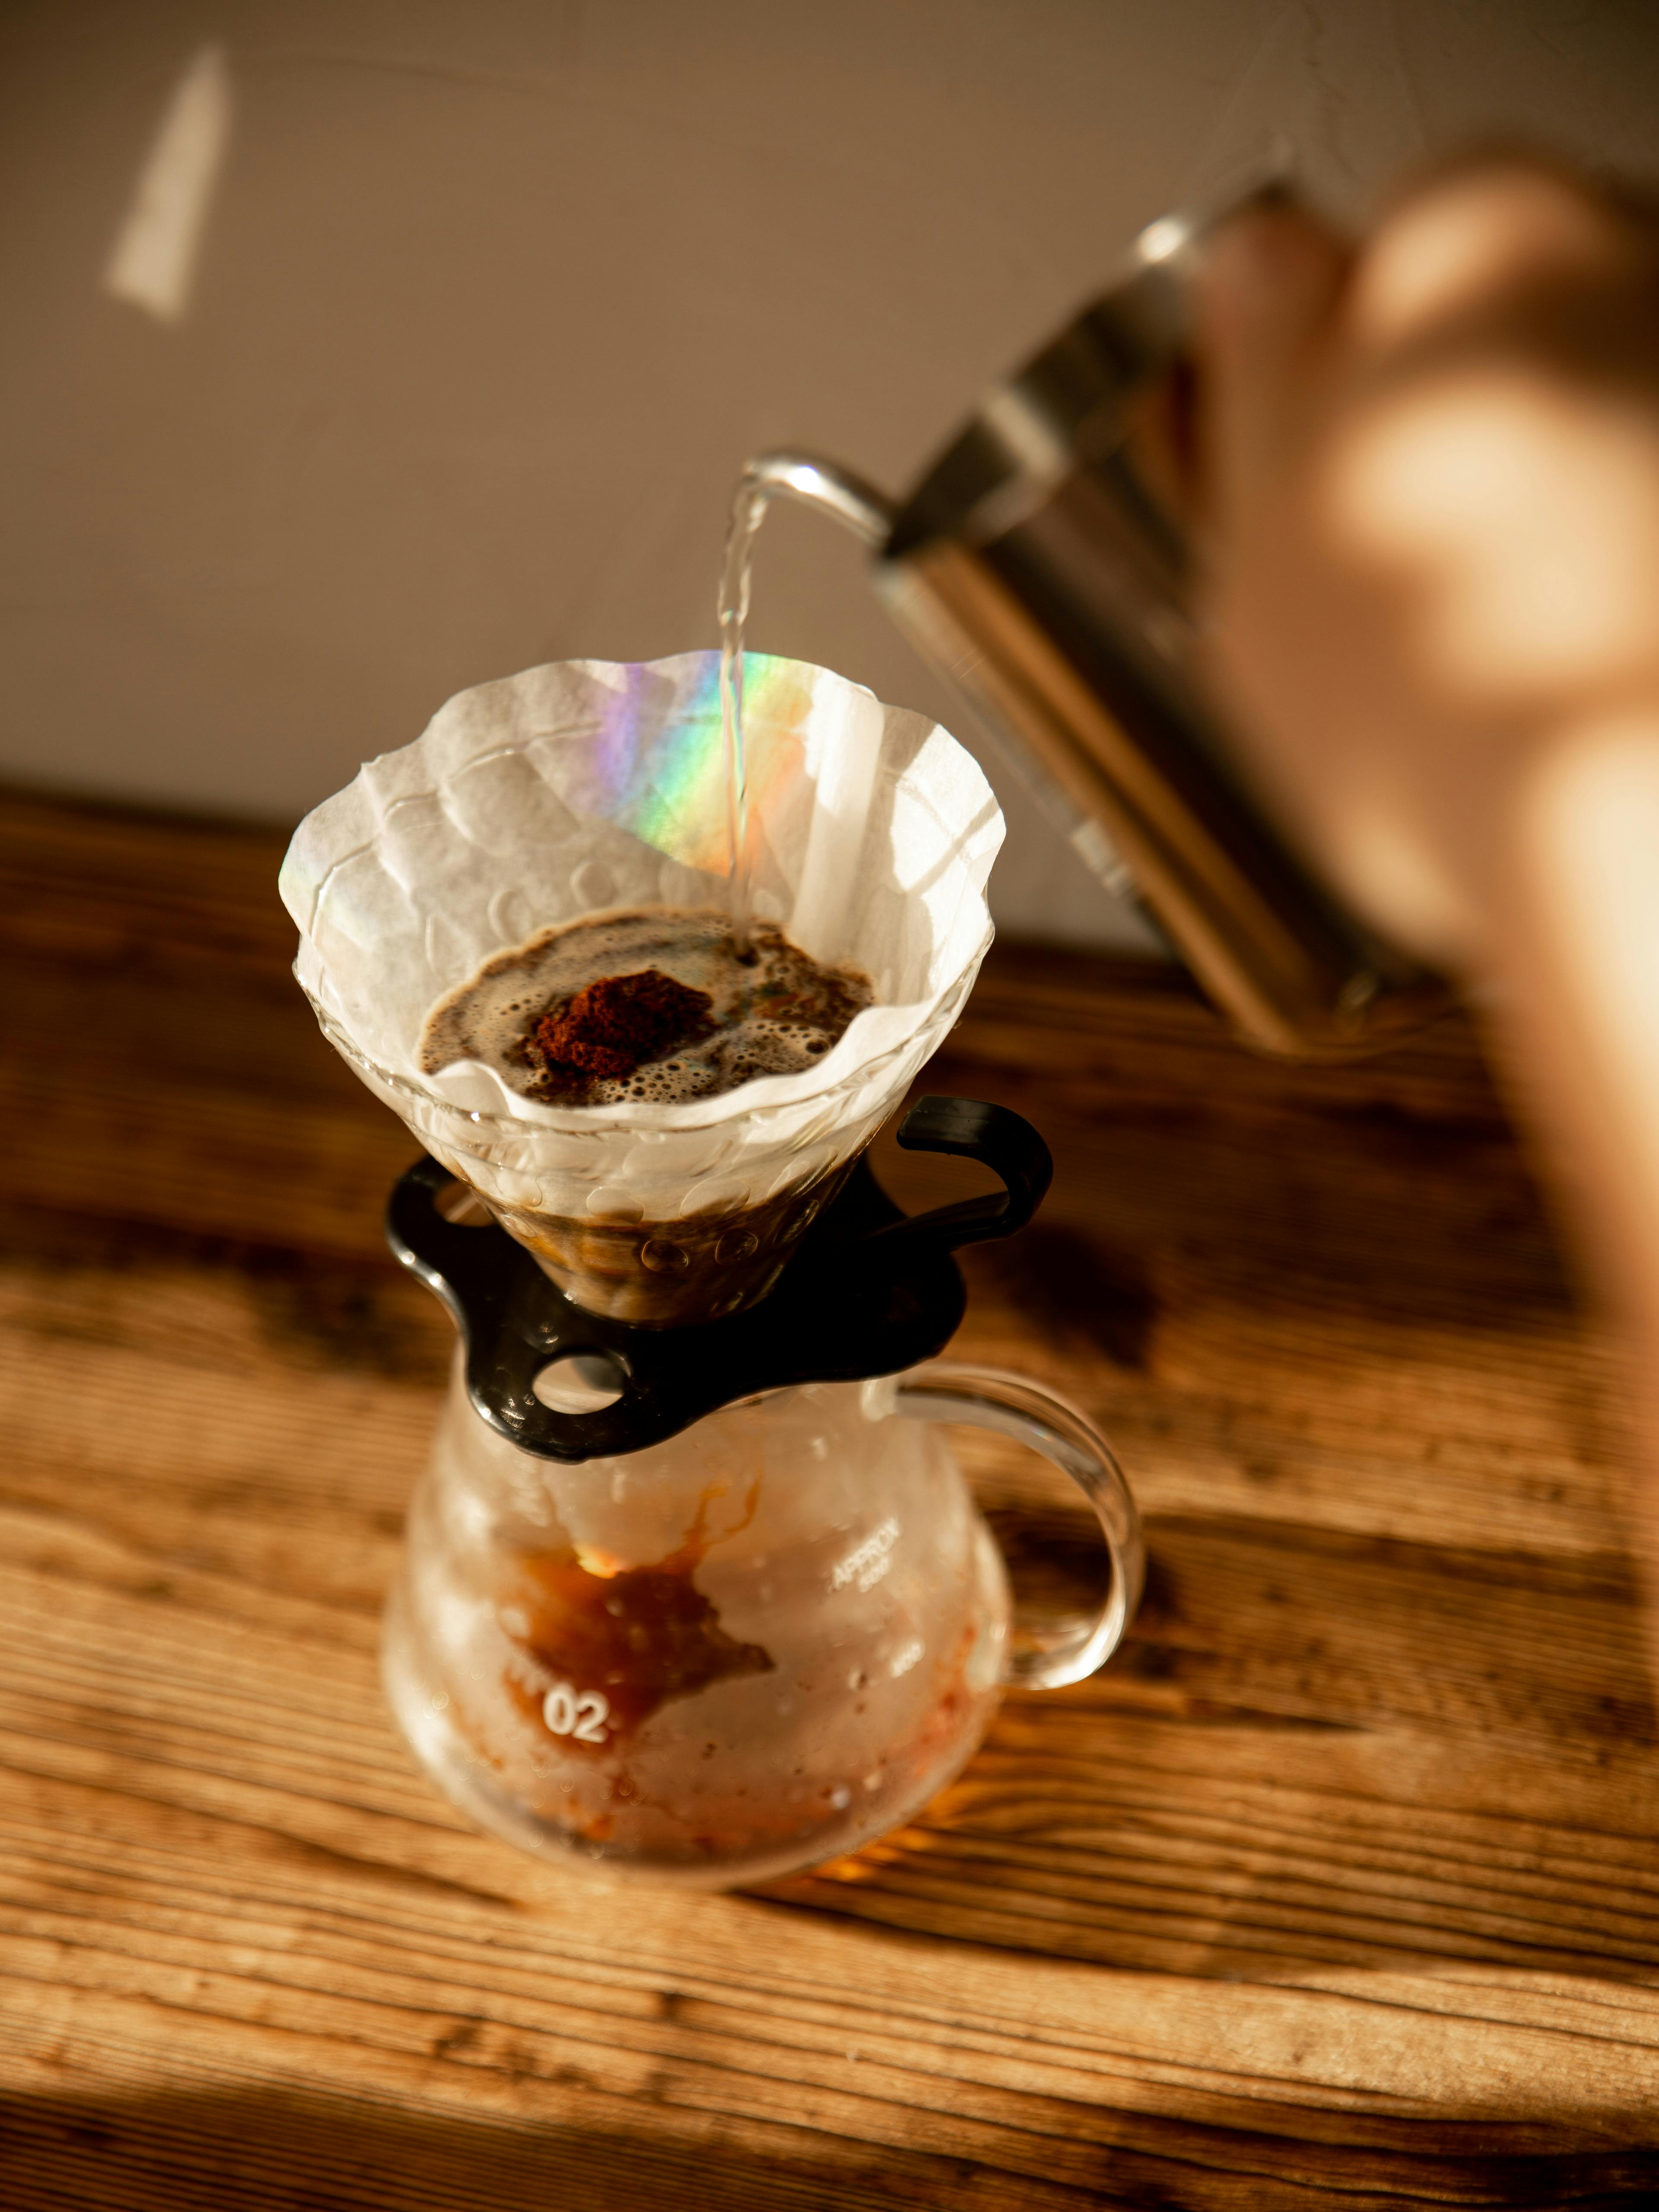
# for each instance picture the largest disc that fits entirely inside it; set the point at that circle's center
(610, 1027)
(731, 1023)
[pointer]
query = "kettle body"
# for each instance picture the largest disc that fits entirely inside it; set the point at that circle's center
(1043, 564)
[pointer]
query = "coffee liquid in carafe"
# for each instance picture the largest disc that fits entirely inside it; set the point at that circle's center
(750, 1646)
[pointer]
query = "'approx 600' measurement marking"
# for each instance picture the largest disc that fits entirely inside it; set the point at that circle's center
(578, 1713)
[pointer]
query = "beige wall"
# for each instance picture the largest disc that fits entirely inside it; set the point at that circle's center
(494, 295)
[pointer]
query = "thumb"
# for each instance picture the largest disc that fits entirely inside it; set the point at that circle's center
(1267, 287)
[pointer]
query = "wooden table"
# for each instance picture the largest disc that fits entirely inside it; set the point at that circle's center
(1339, 1886)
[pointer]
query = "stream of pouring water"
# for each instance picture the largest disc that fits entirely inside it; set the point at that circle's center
(858, 507)
(749, 505)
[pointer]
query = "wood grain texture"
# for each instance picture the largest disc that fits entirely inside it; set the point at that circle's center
(1337, 1887)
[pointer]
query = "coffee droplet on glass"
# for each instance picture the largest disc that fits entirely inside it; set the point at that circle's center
(664, 1258)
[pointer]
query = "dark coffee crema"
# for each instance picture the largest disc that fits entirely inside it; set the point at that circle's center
(652, 1005)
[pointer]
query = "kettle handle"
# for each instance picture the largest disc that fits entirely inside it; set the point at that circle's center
(989, 1398)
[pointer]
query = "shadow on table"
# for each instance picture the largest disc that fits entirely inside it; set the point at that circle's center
(285, 2152)
(280, 2152)
(1317, 1751)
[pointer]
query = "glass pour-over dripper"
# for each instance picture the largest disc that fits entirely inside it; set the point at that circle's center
(588, 787)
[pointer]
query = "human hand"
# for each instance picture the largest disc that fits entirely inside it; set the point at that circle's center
(1430, 475)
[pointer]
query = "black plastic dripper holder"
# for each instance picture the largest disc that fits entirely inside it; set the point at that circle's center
(868, 1291)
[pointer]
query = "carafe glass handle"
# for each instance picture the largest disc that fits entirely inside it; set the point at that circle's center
(987, 1398)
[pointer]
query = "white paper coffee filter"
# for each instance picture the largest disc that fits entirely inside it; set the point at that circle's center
(588, 786)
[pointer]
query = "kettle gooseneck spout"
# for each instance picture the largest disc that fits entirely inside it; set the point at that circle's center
(810, 481)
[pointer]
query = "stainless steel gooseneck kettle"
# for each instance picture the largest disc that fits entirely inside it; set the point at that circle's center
(1041, 564)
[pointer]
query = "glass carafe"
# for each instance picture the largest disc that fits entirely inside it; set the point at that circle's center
(742, 1650)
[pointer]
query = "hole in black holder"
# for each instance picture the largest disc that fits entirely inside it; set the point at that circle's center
(580, 1382)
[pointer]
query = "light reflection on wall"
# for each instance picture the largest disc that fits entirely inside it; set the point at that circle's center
(152, 264)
